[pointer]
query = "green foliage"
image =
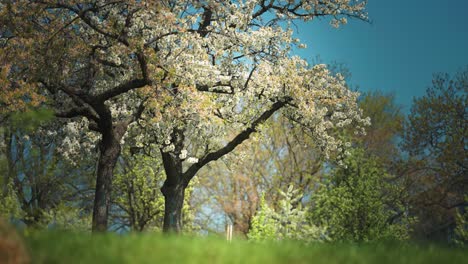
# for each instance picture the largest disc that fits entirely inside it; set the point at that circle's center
(287, 223)
(461, 229)
(386, 125)
(38, 188)
(384, 113)
(280, 155)
(264, 227)
(188, 211)
(9, 203)
(136, 192)
(360, 203)
(437, 131)
(436, 139)
(31, 119)
(63, 216)
(67, 217)
(437, 126)
(47, 195)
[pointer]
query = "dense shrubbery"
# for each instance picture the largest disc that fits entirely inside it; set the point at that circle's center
(288, 222)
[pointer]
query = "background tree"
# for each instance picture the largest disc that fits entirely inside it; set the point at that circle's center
(284, 154)
(136, 192)
(279, 156)
(378, 152)
(359, 202)
(16, 94)
(387, 119)
(37, 181)
(436, 140)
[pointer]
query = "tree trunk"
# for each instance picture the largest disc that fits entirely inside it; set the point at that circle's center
(109, 153)
(11, 169)
(173, 204)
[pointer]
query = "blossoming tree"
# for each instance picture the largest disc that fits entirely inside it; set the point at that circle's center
(176, 76)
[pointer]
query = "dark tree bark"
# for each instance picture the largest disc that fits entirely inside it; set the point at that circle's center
(109, 153)
(174, 186)
(112, 132)
(100, 117)
(173, 204)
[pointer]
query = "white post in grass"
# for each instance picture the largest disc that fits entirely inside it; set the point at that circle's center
(229, 232)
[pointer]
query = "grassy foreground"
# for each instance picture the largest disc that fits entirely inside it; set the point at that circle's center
(55, 247)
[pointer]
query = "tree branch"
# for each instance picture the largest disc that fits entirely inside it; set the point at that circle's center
(120, 89)
(205, 22)
(236, 141)
(71, 113)
(212, 88)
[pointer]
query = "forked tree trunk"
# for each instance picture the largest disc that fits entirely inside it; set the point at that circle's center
(109, 153)
(177, 180)
(173, 204)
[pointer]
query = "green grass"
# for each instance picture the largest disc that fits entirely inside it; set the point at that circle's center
(55, 247)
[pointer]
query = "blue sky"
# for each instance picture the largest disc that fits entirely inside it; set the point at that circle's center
(405, 43)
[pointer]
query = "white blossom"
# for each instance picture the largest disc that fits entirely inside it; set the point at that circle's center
(192, 160)
(183, 154)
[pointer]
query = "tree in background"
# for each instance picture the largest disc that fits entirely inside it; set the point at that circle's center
(16, 94)
(436, 141)
(42, 188)
(386, 127)
(136, 195)
(379, 160)
(359, 202)
(10, 205)
(285, 154)
(282, 154)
